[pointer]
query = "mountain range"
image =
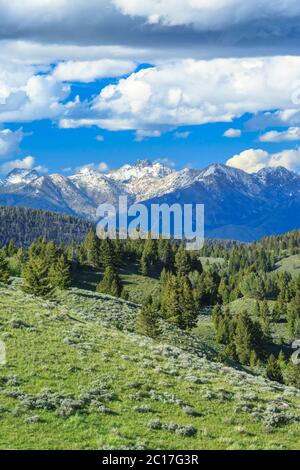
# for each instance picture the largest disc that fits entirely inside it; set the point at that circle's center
(238, 205)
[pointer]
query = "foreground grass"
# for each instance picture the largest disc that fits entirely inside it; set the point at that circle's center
(77, 377)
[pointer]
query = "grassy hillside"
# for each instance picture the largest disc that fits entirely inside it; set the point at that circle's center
(77, 377)
(290, 264)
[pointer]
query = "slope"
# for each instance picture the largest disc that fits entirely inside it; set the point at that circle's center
(76, 378)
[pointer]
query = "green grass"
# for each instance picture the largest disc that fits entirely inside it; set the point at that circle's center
(83, 340)
(290, 264)
(139, 287)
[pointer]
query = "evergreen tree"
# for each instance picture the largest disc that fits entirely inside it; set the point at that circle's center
(111, 283)
(147, 321)
(265, 318)
(273, 370)
(294, 317)
(177, 302)
(4, 269)
(183, 263)
(253, 359)
(107, 254)
(91, 249)
(149, 256)
(59, 274)
(248, 337)
(36, 277)
(12, 250)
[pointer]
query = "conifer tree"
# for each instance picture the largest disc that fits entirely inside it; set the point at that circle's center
(147, 321)
(59, 274)
(149, 256)
(36, 277)
(91, 248)
(107, 254)
(294, 317)
(273, 370)
(248, 337)
(265, 318)
(111, 283)
(12, 250)
(183, 263)
(177, 302)
(4, 268)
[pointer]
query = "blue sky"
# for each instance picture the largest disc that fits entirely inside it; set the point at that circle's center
(115, 81)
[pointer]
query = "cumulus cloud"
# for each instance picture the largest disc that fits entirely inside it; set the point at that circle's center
(290, 135)
(9, 142)
(26, 163)
(232, 133)
(253, 160)
(101, 167)
(89, 71)
(27, 94)
(191, 92)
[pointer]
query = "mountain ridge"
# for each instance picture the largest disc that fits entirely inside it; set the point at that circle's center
(238, 205)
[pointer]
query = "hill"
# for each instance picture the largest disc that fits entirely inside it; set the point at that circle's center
(75, 364)
(24, 226)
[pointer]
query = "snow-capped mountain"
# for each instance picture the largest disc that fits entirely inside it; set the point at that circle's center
(238, 205)
(20, 176)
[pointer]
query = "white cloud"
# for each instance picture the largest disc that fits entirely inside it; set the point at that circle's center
(253, 160)
(208, 14)
(26, 163)
(141, 135)
(28, 95)
(89, 71)
(290, 135)
(191, 92)
(101, 167)
(232, 133)
(9, 142)
(99, 138)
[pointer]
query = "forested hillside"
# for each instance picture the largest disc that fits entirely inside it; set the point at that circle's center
(25, 225)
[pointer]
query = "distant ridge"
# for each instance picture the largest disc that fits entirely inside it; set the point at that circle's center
(24, 226)
(238, 205)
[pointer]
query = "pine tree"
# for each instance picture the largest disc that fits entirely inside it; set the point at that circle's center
(59, 274)
(188, 305)
(248, 337)
(107, 254)
(4, 268)
(11, 249)
(36, 277)
(91, 248)
(253, 359)
(294, 317)
(147, 321)
(273, 370)
(149, 256)
(177, 302)
(265, 318)
(183, 263)
(111, 283)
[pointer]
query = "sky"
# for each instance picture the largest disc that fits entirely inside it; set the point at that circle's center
(102, 83)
